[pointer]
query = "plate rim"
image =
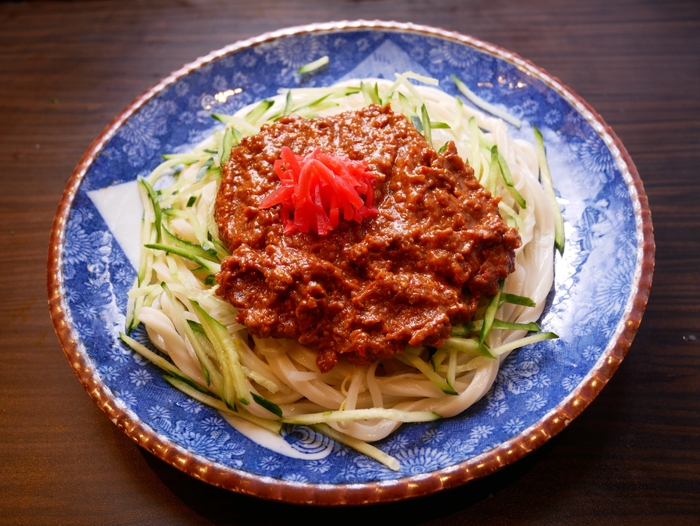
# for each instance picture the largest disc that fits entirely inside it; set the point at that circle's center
(479, 466)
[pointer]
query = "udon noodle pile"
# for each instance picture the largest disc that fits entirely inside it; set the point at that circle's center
(269, 381)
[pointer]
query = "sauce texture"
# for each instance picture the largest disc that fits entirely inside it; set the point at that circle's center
(364, 291)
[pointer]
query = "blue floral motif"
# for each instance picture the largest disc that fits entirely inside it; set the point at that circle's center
(422, 460)
(460, 447)
(613, 289)
(295, 477)
(601, 254)
(295, 52)
(84, 327)
(128, 398)
(139, 359)
(108, 373)
(541, 380)
(191, 437)
(570, 382)
(319, 466)
(482, 431)
(596, 157)
(518, 376)
(119, 354)
(191, 406)
(87, 311)
(535, 402)
(78, 245)
(433, 436)
(270, 463)
(141, 133)
(496, 408)
(453, 54)
(140, 377)
(397, 442)
(214, 424)
(513, 426)
(591, 352)
(552, 118)
(159, 413)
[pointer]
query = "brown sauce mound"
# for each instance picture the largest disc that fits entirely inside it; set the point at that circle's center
(364, 291)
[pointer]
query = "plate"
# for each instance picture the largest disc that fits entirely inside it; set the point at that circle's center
(601, 285)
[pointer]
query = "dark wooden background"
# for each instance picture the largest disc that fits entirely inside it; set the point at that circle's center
(67, 68)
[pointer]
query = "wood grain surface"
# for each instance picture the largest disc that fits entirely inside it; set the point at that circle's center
(67, 68)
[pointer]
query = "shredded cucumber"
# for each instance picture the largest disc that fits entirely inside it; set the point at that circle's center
(313, 66)
(486, 106)
(428, 371)
(273, 426)
(548, 186)
(362, 414)
(358, 445)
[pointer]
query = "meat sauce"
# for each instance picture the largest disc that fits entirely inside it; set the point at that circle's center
(363, 291)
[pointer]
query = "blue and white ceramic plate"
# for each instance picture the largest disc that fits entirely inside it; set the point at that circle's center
(601, 286)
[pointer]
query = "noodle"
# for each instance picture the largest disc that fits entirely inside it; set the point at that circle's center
(284, 373)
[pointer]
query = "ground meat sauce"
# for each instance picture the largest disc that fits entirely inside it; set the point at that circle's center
(364, 291)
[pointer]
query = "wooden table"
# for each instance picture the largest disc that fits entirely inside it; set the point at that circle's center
(67, 68)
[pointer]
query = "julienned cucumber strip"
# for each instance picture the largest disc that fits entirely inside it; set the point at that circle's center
(508, 178)
(145, 256)
(359, 446)
(490, 314)
(201, 336)
(517, 300)
(227, 388)
(204, 168)
(523, 342)
(427, 370)
(406, 106)
(313, 66)
(438, 357)
(208, 370)
(239, 125)
(505, 171)
(493, 174)
(463, 329)
(156, 207)
(475, 154)
(227, 145)
(130, 323)
(481, 103)
(256, 113)
(511, 326)
(469, 346)
(195, 250)
(225, 346)
(435, 125)
(548, 186)
(288, 104)
(417, 123)
(425, 121)
(211, 267)
(370, 93)
(183, 158)
(362, 414)
(156, 359)
(264, 402)
(312, 104)
(273, 426)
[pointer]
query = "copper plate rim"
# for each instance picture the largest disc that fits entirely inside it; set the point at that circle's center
(365, 493)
